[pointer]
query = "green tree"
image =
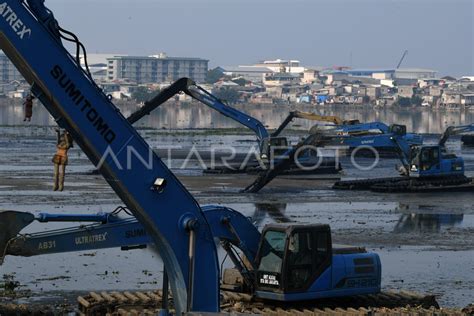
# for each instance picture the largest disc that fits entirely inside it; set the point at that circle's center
(213, 75)
(416, 100)
(402, 101)
(143, 94)
(227, 94)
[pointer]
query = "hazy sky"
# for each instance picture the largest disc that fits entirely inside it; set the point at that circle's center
(438, 34)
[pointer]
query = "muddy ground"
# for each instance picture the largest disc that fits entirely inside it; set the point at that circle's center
(425, 241)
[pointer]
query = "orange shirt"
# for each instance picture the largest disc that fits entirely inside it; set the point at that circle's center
(63, 146)
(61, 152)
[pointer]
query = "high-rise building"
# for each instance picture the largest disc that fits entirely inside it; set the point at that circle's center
(155, 69)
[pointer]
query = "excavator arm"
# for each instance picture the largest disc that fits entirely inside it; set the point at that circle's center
(283, 162)
(189, 87)
(169, 213)
(454, 130)
(230, 227)
(167, 93)
(309, 116)
(402, 149)
(112, 231)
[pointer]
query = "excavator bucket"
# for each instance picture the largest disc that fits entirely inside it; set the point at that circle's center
(282, 164)
(11, 223)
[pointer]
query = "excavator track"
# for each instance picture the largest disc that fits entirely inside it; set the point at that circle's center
(385, 303)
(401, 184)
(326, 166)
(363, 184)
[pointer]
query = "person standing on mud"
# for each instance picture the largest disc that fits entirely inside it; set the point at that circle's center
(60, 159)
(28, 104)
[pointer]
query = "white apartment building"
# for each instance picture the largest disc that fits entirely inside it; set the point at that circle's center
(262, 69)
(282, 65)
(155, 69)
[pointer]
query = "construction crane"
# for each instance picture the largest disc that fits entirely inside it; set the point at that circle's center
(287, 263)
(401, 59)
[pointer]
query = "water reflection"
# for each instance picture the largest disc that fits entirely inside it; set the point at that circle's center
(426, 222)
(195, 115)
(276, 211)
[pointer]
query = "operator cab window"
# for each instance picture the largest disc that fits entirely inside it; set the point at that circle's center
(400, 130)
(323, 250)
(415, 156)
(279, 141)
(309, 255)
(279, 145)
(447, 155)
(273, 249)
(429, 157)
(301, 248)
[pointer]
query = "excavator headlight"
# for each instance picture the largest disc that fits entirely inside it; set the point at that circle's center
(159, 185)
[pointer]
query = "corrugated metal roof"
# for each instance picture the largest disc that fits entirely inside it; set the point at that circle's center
(414, 70)
(373, 70)
(246, 69)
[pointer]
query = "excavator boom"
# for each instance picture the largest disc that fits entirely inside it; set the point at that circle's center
(127, 233)
(169, 213)
(308, 116)
(189, 87)
(454, 130)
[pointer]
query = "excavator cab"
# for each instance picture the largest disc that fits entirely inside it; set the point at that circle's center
(273, 147)
(299, 262)
(351, 122)
(397, 129)
(434, 161)
(291, 257)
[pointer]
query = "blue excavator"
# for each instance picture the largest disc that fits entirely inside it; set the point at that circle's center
(377, 135)
(281, 258)
(436, 160)
(426, 168)
(286, 263)
(270, 145)
(354, 134)
(277, 156)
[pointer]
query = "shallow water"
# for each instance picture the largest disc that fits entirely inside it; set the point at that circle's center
(420, 238)
(196, 115)
(423, 268)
